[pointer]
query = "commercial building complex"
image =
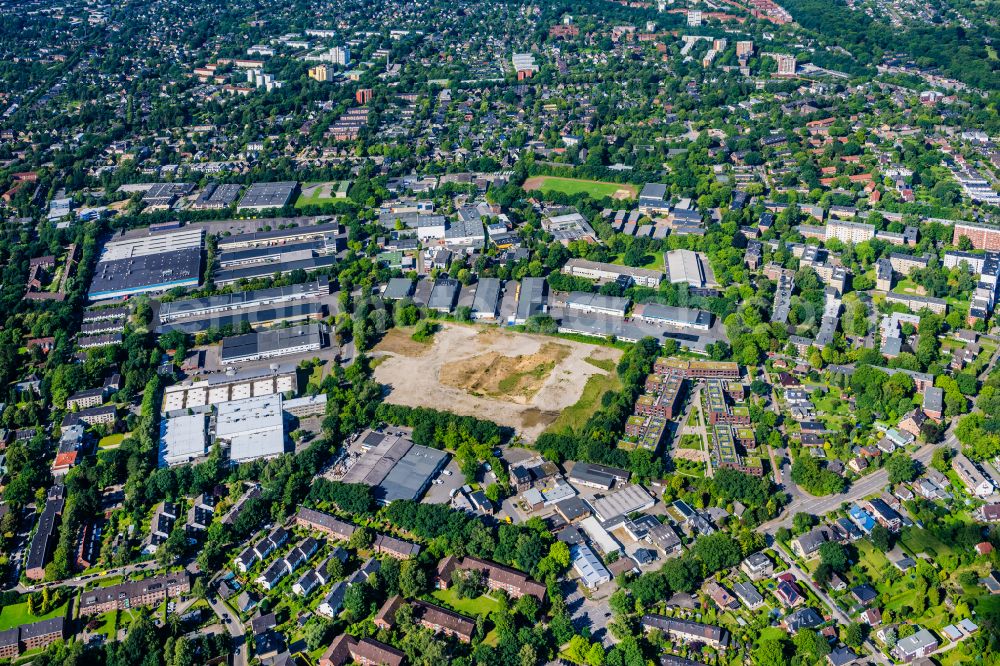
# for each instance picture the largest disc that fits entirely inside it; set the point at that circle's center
(595, 270)
(295, 313)
(228, 386)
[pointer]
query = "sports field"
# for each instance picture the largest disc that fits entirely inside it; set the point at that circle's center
(596, 189)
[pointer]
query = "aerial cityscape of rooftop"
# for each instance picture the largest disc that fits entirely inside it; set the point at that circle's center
(498, 332)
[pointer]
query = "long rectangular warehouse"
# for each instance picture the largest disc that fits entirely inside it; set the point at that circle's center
(232, 275)
(296, 312)
(271, 344)
(278, 236)
(270, 254)
(243, 300)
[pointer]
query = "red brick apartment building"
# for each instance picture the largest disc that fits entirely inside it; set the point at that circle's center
(148, 592)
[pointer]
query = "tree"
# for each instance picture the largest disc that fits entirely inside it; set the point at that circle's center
(770, 653)
(834, 555)
(901, 468)
(316, 632)
(356, 601)
(361, 539)
(717, 551)
(595, 656)
(854, 635)
(810, 642)
(559, 553)
(802, 522)
(412, 579)
(528, 606)
(881, 538)
(577, 649)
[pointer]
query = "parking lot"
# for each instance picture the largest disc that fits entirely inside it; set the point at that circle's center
(444, 483)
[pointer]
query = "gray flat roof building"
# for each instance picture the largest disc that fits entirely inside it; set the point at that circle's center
(231, 275)
(216, 196)
(271, 344)
(409, 478)
(242, 300)
(295, 312)
(673, 316)
(531, 299)
(444, 294)
(262, 196)
(487, 300)
(398, 288)
(585, 301)
(279, 236)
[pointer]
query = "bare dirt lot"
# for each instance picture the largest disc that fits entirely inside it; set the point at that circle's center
(516, 379)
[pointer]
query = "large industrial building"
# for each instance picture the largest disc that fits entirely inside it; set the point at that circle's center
(272, 344)
(272, 254)
(183, 438)
(531, 299)
(279, 236)
(253, 427)
(602, 272)
(685, 266)
(148, 264)
(395, 467)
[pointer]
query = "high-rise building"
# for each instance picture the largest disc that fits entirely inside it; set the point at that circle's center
(744, 49)
(786, 64)
(340, 55)
(319, 73)
(694, 18)
(364, 95)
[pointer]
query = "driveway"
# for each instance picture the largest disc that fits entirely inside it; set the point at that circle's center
(589, 613)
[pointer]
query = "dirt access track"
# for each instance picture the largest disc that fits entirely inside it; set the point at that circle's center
(515, 379)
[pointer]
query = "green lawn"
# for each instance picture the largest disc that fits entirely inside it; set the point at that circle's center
(111, 441)
(773, 634)
(691, 442)
(511, 382)
(922, 541)
(108, 626)
(17, 615)
(654, 261)
(872, 560)
(596, 189)
(590, 399)
(605, 364)
(825, 404)
(479, 606)
(318, 194)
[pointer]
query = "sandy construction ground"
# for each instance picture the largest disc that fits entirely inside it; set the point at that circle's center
(518, 380)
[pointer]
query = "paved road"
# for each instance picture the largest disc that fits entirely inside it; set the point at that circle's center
(81, 582)
(866, 485)
(233, 625)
